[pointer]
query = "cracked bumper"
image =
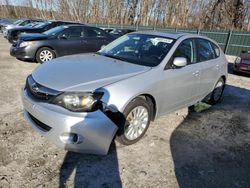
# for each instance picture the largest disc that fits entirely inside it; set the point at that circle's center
(95, 130)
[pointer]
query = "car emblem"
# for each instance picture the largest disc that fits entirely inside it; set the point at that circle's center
(34, 88)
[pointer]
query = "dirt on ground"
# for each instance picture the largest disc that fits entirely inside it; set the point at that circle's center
(206, 149)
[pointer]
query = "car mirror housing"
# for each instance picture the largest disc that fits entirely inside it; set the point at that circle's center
(180, 62)
(63, 36)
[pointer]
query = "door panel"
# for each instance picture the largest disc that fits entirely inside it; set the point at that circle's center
(209, 64)
(94, 38)
(71, 44)
(209, 75)
(179, 88)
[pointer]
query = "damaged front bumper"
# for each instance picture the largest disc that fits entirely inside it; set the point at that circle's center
(90, 132)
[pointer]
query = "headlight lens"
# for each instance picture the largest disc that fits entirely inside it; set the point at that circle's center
(23, 44)
(237, 60)
(79, 102)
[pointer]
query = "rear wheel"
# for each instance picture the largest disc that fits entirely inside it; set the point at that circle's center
(217, 92)
(45, 54)
(137, 115)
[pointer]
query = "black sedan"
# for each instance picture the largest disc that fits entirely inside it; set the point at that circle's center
(13, 34)
(59, 41)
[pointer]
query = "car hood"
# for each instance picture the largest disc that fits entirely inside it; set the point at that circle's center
(19, 27)
(32, 36)
(10, 26)
(84, 72)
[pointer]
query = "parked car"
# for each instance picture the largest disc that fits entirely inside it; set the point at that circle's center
(44, 26)
(79, 102)
(242, 63)
(59, 41)
(29, 25)
(4, 22)
(16, 24)
(119, 32)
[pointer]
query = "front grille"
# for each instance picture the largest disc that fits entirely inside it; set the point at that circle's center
(40, 124)
(38, 91)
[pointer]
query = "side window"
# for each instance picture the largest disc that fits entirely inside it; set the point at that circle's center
(75, 32)
(49, 26)
(92, 32)
(24, 23)
(216, 49)
(186, 49)
(205, 51)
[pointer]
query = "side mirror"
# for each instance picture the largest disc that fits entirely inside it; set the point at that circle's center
(63, 36)
(180, 62)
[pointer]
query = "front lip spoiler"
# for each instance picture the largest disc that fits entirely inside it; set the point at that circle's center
(96, 129)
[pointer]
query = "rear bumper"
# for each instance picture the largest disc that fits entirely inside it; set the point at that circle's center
(94, 130)
(26, 53)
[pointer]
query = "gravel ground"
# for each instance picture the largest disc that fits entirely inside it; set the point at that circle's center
(206, 149)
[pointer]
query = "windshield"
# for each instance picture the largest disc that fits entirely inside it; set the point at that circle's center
(17, 22)
(31, 24)
(54, 30)
(41, 24)
(141, 49)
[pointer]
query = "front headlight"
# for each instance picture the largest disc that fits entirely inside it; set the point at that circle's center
(237, 60)
(79, 102)
(23, 44)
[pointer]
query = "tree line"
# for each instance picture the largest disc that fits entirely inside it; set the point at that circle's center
(203, 14)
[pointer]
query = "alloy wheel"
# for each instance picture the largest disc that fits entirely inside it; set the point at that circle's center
(137, 122)
(46, 55)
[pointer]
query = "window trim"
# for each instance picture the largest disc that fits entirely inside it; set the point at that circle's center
(210, 44)
(214, 49)
(169, 64)
(104, 35)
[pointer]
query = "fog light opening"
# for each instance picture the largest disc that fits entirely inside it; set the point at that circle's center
(70, 138)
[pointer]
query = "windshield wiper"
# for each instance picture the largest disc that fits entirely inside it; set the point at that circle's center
(114, 57)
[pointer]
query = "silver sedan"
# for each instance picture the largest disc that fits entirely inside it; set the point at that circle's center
(81, 102)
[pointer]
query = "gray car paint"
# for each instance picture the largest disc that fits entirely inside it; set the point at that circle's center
(121, 82)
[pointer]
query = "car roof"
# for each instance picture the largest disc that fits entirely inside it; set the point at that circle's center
(32, 19)
(72, 25)
(64, 21)
(173, 35)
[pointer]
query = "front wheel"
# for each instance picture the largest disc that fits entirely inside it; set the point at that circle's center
(217, 92)
(137, 115)
(45, 54)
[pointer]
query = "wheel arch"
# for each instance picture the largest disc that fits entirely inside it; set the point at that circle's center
(152, 103)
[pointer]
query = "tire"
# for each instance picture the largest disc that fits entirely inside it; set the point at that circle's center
(45, 54)
(140, 126)
(217, 93)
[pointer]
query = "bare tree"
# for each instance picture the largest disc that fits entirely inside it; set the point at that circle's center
(219, 14)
